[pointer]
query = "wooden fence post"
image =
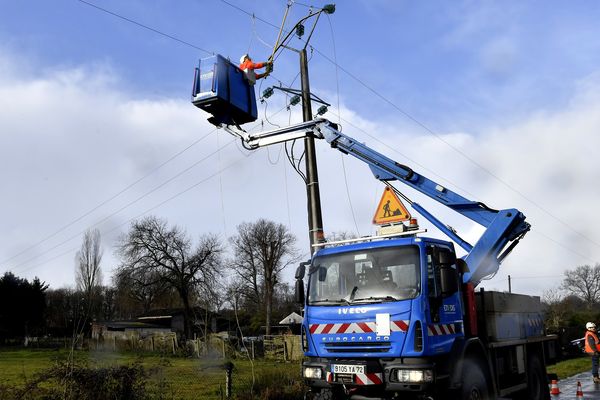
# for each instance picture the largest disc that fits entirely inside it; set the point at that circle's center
(228, 371)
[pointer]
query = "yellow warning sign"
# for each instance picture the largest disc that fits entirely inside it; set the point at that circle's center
(390, 209)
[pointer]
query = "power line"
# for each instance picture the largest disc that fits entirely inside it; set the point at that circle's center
(120, 192)
(433, 133)
(64, 227)
(146, 27)
(246, 155)
(337, 87)
(463, 154)
(130, 203)
(133, 218)
(377, 94)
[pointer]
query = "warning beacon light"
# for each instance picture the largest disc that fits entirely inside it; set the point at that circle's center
(222, 90)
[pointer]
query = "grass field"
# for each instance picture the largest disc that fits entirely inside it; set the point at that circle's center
(187, 378)
(567, 368)
(177, 378)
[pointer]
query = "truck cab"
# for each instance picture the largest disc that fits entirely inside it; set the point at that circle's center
(380, 312)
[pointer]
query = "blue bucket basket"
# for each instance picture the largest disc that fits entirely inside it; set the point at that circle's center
(222, 90)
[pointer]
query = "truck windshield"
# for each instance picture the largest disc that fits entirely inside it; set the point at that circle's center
(366, 276)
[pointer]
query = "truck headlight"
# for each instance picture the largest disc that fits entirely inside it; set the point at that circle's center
(313, 373)
(414, 375)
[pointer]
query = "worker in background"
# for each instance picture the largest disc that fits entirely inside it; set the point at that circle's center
(592, 347)
(248, 67)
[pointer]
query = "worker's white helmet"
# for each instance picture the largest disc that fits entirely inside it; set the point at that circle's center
(590, 326)
(243, 58)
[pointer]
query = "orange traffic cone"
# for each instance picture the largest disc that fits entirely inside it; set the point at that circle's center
(579, 394)
(554, 387)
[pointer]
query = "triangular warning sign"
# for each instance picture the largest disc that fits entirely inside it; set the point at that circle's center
(390, 209)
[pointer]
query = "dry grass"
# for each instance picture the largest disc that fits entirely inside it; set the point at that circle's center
(170, 377)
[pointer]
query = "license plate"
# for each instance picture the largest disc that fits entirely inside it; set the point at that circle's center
(347, 369)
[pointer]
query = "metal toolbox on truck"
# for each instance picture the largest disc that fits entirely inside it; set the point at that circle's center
(509, 316)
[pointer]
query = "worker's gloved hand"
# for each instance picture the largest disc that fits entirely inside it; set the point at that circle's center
(269, 67)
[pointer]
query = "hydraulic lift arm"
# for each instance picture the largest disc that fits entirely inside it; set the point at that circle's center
(504, 228)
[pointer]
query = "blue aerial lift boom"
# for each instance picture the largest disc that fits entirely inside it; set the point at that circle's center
(504, 227)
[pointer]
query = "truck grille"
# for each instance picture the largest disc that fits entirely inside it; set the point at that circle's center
(374, 347)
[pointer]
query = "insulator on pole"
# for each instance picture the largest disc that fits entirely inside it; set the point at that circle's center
(268, 92)
(329, 8)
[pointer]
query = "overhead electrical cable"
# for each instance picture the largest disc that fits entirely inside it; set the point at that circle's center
(171, 198)
(467, 157)
(221, 188)
(147, 27)
(245, 154)
(337, 86)
(162, 184)
(377, 94)
(143, 177)
(439, 137)
(114, 196)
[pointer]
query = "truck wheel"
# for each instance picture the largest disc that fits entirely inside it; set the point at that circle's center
(537, 385)
(325, 394)
(474, 385)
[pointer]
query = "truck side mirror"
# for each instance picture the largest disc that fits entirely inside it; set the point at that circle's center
(446, 258)
(299, 291)
(301, 270)
(461, 266)
(448, 280)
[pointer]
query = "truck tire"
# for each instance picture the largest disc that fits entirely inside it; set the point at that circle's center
(474, 384)
(325, 394)
(537, 384)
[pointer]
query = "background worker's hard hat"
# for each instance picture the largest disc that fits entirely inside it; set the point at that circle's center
(590, 325)
(243, 58)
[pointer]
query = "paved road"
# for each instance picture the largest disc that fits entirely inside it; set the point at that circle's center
(568, 387)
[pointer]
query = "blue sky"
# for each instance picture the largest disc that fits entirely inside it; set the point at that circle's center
(510, 85)
(445, 62)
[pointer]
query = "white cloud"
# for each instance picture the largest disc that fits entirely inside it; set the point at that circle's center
(71, 139)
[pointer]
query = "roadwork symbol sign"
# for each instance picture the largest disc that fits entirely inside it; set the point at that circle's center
(390, 209)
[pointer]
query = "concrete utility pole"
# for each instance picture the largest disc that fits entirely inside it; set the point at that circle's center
(315, 218)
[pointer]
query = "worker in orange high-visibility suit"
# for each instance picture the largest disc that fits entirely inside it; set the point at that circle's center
(592, 347)
(248, 67)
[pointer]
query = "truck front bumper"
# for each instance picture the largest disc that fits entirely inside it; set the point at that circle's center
(390, 375)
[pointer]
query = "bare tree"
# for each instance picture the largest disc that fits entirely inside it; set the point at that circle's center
(557, 309)
(143, 286)
(88, 275)
(340, 235)
(166, 255)
(584, 282)
(262, 250)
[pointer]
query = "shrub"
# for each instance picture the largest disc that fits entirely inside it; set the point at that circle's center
(75, 381)
(274, 384)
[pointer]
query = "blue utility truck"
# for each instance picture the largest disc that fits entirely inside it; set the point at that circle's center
(396, 315)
